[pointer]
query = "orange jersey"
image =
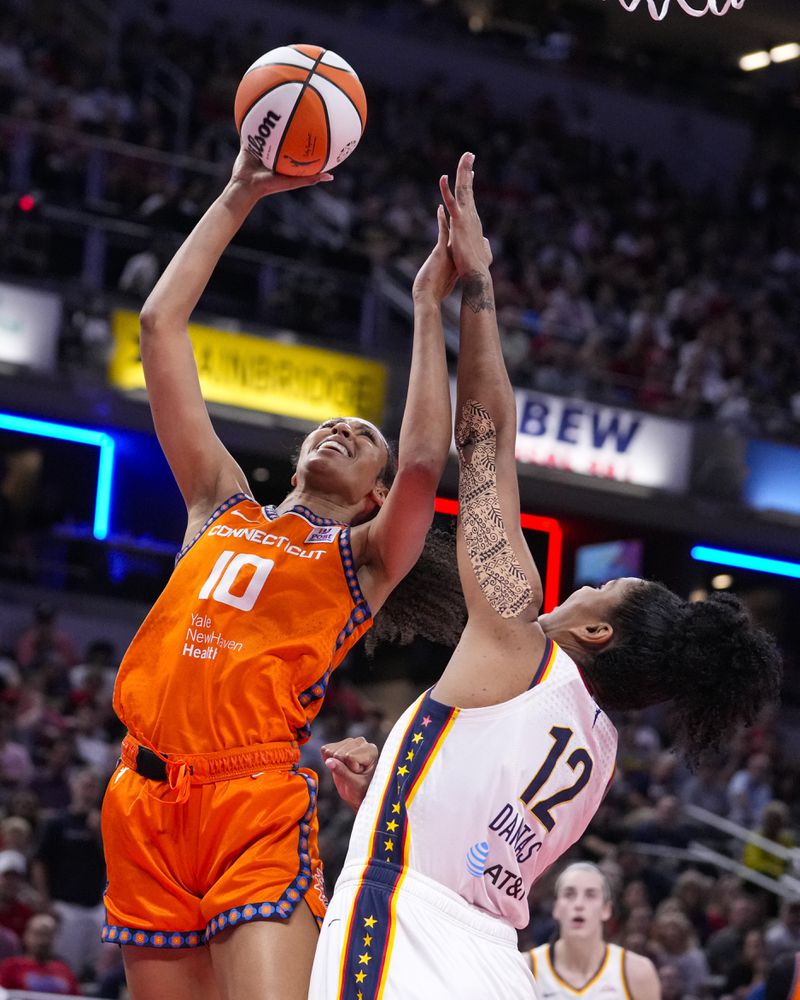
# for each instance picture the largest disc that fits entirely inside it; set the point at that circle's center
(238, 649)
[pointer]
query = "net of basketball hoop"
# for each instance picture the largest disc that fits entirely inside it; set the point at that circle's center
(658, 9)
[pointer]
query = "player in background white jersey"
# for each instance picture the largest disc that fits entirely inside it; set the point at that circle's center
(580, 963)
(510, 723)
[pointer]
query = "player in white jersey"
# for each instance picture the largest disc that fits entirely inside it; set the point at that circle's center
(580, 963)
(491, 775)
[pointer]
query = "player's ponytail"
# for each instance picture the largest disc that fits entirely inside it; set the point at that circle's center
(707, 658)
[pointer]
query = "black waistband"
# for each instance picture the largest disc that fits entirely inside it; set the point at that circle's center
(150, 765)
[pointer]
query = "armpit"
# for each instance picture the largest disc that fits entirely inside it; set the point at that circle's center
(494, 562)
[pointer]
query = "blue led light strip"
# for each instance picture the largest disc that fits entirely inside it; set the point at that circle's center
(742, 560)
(78, 435)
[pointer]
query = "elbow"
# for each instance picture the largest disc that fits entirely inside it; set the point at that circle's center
(155, 323)
(149, 320)
(424, 471)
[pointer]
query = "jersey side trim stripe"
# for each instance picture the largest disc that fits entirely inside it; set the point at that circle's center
(546, 663)
(370, 852)
(371, 927)
(624, 975)
(406, 848)
(225, 505)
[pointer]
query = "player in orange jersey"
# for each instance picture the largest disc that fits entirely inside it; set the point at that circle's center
(209, 825)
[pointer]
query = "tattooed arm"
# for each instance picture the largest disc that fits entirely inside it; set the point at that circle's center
(498, 574)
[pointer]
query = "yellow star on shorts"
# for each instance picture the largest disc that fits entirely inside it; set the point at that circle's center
(367, 940)
(410, 755)
(416, 738)
(360, 977)
(359, 995)
(392, 825)
(388, 845)
(396, 807)
(370, 921)
(364, 959)
(403, 771)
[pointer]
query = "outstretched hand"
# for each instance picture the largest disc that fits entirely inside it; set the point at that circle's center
(252, 175)
(437, 276)
(352, 763)
(470, 248)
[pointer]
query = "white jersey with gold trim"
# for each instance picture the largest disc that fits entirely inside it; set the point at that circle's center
(483, 800)
(466, 809)
(608, 983)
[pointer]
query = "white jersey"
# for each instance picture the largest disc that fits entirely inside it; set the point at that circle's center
(473, 804)
(483, 800)
(608, 983)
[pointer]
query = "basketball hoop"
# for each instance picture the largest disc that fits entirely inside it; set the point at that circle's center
(696, 8)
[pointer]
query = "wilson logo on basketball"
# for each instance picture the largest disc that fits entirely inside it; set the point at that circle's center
(257, 141)
(346, 151)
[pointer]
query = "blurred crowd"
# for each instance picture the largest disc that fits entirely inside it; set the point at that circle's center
(612, 280)
(710, 931)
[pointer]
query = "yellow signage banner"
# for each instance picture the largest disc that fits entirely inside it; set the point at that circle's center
(259, 374)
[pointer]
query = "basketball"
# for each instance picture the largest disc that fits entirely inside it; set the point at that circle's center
(300, 109)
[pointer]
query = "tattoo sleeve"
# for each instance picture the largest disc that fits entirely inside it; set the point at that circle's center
(476, 292)
(494, 562)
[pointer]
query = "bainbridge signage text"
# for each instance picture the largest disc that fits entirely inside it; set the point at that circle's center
(256, 373)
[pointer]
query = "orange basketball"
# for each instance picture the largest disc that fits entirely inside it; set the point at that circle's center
(301, 109)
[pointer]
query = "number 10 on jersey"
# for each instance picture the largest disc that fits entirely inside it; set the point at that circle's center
(220, 582)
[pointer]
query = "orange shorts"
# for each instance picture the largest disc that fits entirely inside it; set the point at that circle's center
(241, 847)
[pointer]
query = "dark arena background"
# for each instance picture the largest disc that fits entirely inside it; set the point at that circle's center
(640, 185)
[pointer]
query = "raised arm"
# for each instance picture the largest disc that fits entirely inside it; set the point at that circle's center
(204, 470)
(393, 540)
(498, 574)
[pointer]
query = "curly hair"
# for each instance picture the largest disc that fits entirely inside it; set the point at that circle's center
(428, 603)
(707, 658)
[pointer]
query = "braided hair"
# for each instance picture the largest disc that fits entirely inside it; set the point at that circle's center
(428, 603)
(707, 658)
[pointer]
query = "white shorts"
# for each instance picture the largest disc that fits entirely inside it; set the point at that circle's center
(420, 942)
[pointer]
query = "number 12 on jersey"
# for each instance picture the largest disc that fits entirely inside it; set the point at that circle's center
(579, 757)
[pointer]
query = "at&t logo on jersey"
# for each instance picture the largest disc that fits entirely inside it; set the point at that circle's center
(477, 856)
(508, 881)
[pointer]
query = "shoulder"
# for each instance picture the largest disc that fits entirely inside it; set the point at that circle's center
(536, 958)
(641, 976)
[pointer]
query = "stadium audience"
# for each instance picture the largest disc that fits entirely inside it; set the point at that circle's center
(611, 282)
(37, 969)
